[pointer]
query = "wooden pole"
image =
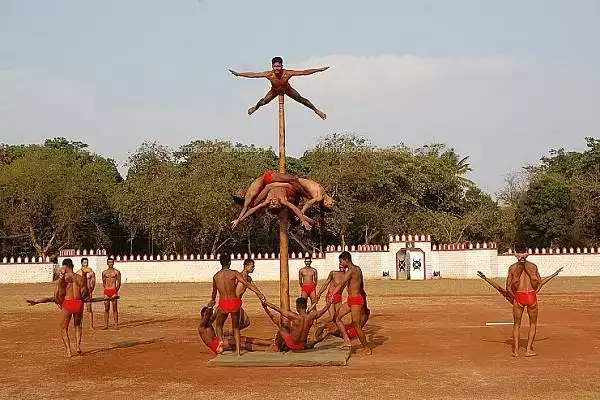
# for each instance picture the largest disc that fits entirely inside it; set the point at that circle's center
(284, 270)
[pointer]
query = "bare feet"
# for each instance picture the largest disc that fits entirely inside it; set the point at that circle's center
(105, 328)
(530, 353)
(515, 354)
(220, 347)
(321, 114)
(365, 350)
(251, 110)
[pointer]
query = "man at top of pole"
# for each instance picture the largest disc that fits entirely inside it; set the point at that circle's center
(279, 78)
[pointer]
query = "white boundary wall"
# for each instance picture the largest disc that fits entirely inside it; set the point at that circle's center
(455, 261)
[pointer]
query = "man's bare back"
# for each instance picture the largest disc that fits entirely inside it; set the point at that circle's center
(295, 334)
(523, 283)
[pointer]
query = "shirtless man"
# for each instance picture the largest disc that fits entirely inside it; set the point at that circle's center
(217, 346)
(276, 198)
(308, 278)
(523, 283)
(69, 292)
(279, 78)
(239, 292)
(356, 300)
(225, 283)
(504, 292)
(90, 279)
(296, 335)
(262, 186)
(334, 279)
(111, 280)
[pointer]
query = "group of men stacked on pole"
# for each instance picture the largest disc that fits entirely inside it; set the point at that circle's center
(292, 328)
(73, 289)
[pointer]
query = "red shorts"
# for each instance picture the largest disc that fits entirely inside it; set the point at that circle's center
(110, 292)
(214, 344)
(358, 300)
(337, 297)
(291, 344)
(289, 192)
(230, 305)
(351, 331)
(72, 306)
(268, 177)
(526, 298)
(308, 288)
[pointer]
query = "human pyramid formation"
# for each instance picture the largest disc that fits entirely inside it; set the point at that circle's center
(294, 327)
(275, 190)
(73, 289)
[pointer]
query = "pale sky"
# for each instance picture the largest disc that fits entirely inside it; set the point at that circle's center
(500, 81)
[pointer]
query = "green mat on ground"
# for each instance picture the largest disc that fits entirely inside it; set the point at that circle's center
(325, 353)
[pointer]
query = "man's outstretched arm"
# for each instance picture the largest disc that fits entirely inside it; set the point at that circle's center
(213, 295)
(345, 279)
(250, 74)
(250, 285)
(285, 313)
(549, 278)
(311, 71)
(318, 314)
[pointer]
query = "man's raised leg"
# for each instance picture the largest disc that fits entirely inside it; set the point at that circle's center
(532, 311)
(293, 93)
(517, 314)
(264, 101)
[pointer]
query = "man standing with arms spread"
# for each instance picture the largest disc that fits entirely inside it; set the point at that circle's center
(111, 280)
(356, 300)
(308, 278)
(90, 279)
(523, 283)
(225, 283)
(69, 292)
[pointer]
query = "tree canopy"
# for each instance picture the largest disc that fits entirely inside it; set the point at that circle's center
(59, 194)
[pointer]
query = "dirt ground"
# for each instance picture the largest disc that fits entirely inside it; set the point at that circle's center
(430, 340)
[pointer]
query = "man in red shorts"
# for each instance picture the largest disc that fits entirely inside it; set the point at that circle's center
(356, 300)
(111, 280)
(334, 279)
(225, 282)
(218, 345)
(296, 335)
(239, 292)
(70, 289)
(505, 293)
(523, 283)
(308, 278)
